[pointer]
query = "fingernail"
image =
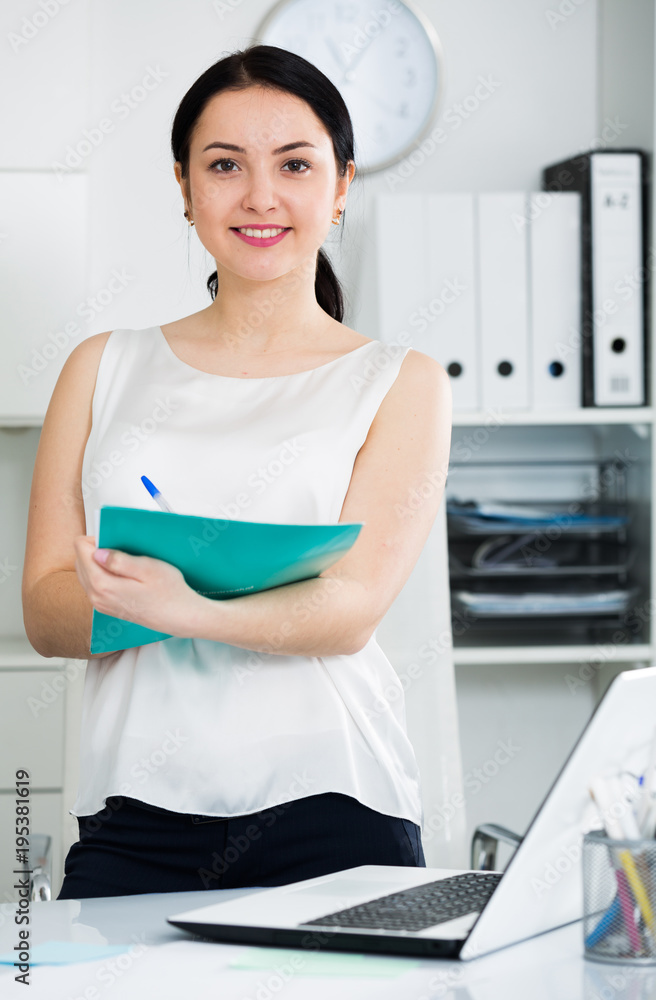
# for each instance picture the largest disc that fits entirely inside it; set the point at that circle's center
(100, 555)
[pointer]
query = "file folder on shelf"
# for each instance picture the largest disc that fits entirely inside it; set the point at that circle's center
(614, 287)
(555, 300)
(452, 294)
(502, 241)
(218, 558)
(490, 286)
(427, 283)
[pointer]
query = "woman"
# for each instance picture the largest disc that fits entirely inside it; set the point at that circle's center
(255, 747)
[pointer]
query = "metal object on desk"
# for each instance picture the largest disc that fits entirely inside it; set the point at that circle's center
(619, 897)
(485, 844)
(40, 878)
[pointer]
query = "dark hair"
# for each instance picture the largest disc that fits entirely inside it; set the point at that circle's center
(277, 69)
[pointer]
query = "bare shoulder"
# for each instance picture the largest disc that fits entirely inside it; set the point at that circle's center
(75, 386)
(421, 381)
(423, 365)
(416, 411)
(88, 351)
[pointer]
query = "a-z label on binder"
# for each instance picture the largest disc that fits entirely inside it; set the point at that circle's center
(617, 285)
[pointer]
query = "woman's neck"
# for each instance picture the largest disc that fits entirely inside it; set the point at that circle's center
(267, 317)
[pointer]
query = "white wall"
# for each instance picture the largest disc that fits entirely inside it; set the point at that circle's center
(544, 106)
(626, 38)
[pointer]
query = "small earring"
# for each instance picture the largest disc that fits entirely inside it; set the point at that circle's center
(336, 221)
(190, 221)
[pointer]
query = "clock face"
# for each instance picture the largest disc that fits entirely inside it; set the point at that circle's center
(384, 58)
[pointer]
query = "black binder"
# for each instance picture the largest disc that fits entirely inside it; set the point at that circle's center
(613, 343)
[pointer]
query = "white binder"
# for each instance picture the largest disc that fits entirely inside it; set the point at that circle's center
(452, 337)
(555, 300)
(617, 291)
(401, 267)
(426, 283)
(502, 245)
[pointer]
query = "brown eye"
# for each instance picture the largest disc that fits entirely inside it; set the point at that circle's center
(303, 163)
(217, 162)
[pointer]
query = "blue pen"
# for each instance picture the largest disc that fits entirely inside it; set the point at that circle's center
(605, 924)
(156, 495)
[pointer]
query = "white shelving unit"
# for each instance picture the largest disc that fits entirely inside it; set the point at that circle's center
(641, 653)
(562, 428)
(639, 415)
(626, 92)
(540, 695)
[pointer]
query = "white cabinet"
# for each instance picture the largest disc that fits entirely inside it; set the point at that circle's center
(45, 311)
(33, 733)
(39, 696)
(32, 726)
(40, 701)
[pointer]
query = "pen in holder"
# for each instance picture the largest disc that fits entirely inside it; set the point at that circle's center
(619, 899)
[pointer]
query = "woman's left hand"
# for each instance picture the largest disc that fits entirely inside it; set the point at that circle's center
(142, 590)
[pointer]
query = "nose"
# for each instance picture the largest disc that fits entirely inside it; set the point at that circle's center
(260, 193)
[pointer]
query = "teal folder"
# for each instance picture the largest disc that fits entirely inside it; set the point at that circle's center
(218, 558)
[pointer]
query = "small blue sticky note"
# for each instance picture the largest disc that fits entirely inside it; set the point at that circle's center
(302, 962)
(66, 953)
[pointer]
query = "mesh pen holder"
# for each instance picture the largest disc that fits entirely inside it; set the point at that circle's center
(619, 899)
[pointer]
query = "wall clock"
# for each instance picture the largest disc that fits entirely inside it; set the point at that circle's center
(385, 59)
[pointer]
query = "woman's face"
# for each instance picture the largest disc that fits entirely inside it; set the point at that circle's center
(258, 186)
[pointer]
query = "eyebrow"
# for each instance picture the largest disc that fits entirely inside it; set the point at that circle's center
(240, 149)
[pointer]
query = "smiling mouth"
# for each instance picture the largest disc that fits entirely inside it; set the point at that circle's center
(261, 233)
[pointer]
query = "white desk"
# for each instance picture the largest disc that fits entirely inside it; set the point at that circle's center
(167, 964)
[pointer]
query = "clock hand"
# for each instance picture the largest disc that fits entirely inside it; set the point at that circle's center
(349, 67)
(373, 97)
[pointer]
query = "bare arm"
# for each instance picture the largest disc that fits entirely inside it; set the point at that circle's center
(57, 616)
(56, 610)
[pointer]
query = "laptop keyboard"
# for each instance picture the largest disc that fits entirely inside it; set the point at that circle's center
(420, 906)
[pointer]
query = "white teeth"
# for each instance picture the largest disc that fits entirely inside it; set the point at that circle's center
(261, 233)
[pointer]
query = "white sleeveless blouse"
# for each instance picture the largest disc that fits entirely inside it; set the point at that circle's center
(203, 727)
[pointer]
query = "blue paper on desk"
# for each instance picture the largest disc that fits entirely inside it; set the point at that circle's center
(219, 558)
(310, 963)
(67, 953)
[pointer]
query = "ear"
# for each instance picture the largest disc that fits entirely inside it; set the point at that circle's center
(184, 184)
(344, 182)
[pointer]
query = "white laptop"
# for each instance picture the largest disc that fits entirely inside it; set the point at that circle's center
(429, 911)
